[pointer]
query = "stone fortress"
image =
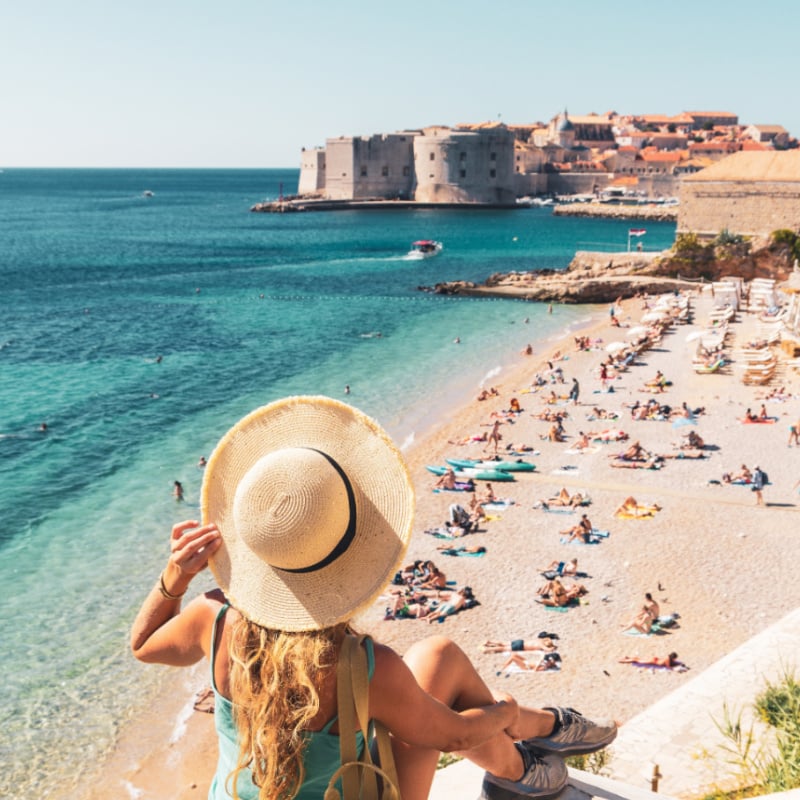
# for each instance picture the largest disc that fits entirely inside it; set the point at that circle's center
(611, 156)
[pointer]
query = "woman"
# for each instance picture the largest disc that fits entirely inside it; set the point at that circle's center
(307, 512)
(668, 661)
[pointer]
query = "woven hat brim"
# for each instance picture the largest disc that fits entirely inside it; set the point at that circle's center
(384, 498)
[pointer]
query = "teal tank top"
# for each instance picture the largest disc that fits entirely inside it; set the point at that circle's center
(321, 758)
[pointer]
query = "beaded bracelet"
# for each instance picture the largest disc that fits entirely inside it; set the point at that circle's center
(167, 594)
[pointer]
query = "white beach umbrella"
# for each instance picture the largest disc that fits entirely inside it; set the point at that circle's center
(654, 316)
(615, 347)
(638, 330)
(695, 335)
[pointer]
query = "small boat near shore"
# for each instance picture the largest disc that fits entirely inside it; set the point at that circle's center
(425, 248)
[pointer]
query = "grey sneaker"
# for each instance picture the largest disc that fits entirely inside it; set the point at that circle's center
(576, 735)
(545, 777)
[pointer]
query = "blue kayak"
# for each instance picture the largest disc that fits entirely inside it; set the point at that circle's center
(476, 474)
(503, 466)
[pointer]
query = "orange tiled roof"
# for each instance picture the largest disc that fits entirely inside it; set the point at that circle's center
(661, 155)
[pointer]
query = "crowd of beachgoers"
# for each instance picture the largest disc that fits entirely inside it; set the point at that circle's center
(607, 519)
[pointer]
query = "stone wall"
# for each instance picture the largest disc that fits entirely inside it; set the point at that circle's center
(470, 166)
(365, 167)
(743, 207)
(312, 171)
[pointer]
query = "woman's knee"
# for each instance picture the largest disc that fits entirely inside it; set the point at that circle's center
(441, 668)
(432, 650)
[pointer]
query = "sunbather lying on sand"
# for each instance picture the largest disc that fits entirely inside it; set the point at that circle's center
(478, 437)
(518, 447)
(547, 661)
(463, 598)
(636, 456)
(561, 569)
(472, 549)
(564, 498)
(551, 416)
(404, 608)
(610, 435)
(630, 507)
(668, 661)
(601, 413)
(544, 643)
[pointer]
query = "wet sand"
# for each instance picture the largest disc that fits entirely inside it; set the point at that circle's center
(706, 555)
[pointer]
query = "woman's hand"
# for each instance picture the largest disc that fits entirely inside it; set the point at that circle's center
(192, 545)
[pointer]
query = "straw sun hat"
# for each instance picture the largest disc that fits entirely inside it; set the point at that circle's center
(315, 507)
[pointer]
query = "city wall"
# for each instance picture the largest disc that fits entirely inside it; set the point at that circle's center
(742, 207)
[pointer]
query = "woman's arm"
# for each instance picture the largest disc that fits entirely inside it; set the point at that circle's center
(417, 718)
(162, 633)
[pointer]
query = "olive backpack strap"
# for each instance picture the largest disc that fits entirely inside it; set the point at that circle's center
(359, 776)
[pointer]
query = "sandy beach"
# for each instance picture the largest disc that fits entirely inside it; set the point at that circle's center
(705, 555)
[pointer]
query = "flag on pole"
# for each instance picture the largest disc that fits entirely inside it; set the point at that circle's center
(637, 232)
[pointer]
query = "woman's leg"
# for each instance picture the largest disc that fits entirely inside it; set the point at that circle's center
(444, 671)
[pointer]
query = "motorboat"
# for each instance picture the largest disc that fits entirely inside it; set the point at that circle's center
(425, 248)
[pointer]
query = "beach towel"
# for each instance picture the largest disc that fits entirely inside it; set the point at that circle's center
(440, 534)
(621, 464)
(498, 505)
(454, 551)
(655, 630)
(460, 487)
(581, 451)
(514, 669)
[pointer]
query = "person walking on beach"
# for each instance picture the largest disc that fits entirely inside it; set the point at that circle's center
(494, 437)
(759, 481)
(794, 434)
(574, 391)
(307, 514)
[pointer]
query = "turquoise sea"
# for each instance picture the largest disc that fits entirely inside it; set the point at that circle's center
(143, 313)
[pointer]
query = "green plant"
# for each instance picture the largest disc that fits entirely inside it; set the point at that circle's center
(725, 237)
(446, 759)
(779, 707)
(790, 239)
(593, 762)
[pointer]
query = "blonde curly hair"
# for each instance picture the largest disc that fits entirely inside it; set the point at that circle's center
(274, 680)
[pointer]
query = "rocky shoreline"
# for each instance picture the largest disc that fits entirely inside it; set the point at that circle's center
(591, 277)
(654, 212)
(596, 277)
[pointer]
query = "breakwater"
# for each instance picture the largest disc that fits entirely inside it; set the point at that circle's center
(655, 212)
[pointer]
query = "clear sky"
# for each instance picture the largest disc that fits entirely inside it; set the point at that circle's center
(247, 83)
